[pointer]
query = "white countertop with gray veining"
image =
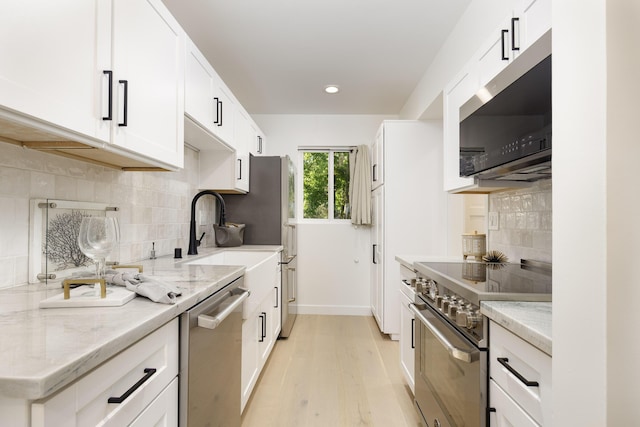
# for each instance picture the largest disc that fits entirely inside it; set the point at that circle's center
(531, 321)
(42, 350)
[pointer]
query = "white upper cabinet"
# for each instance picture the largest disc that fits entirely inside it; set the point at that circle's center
(519, 29)
(377, 161)
(208, 101)
(535, 20)
(148, 72)
(85, 74)
(48, 64)
(456, 94)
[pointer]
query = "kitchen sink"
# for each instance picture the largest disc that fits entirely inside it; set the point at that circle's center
(261, 274)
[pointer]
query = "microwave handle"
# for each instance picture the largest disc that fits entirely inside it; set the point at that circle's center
(457, 353)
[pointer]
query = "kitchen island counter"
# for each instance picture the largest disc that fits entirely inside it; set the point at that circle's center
(43, 350)
(531, 321)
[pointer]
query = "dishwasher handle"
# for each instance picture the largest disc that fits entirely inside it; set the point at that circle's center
(211, 322)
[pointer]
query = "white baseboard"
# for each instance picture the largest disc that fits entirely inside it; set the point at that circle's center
(335, 310)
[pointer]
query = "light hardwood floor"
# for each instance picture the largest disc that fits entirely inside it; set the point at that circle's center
(332, 371)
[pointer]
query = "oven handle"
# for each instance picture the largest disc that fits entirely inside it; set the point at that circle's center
(455, 352)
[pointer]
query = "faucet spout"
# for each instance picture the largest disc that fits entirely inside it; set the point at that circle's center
(193, 241)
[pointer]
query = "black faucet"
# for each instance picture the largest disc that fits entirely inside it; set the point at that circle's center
(193, 241)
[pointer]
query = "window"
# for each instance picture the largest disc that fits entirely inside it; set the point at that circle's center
(325, 184)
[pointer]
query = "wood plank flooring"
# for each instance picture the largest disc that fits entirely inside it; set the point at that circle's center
(332, 371)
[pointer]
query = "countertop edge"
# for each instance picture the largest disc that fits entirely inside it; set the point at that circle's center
(530, 321)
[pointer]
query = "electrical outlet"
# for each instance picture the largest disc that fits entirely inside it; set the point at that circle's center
(494, 220)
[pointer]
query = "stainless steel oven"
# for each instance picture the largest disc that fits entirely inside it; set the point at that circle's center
(452, 337)
(450, 373)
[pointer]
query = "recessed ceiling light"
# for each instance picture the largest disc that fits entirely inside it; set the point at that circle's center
(331, 89)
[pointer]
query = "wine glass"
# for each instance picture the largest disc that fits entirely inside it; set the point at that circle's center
(96, 239)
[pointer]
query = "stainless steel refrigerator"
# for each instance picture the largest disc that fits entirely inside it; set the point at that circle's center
(268, 211)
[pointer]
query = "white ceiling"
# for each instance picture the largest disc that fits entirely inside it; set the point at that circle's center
(276, 56)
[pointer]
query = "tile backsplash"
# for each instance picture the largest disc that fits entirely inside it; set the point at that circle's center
(153, 206)
(524, 222)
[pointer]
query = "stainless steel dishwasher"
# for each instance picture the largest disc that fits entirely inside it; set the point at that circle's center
(210, 355)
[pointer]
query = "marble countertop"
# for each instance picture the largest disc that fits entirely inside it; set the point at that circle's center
(42, 350)
(409, 260)
(531, 321)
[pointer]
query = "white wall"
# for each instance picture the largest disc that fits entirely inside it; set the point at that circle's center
(154, 206)
(333, 259)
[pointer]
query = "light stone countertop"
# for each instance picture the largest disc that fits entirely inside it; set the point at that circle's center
(531, 321)
(42, 350)
(409, 260)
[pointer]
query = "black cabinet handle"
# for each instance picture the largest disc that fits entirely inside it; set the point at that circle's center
(263, 317)
(373, 254)
(110, 108)
(513, 34)
(126, 101)
(148, 372)
(277, 297)
(413, 333)
(504, 53)
(239, 169)
(505, 362)
(259, 145)
(218, 120)
(374, 172)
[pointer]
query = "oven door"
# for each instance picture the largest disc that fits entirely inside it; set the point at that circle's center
(450, 373)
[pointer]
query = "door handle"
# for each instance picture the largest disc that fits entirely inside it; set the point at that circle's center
(373, 254)
(209, 322)
(463, 355)
(277, 297)
(239, 169)
(513, 33)
(504, 54)
(110, 95)
(148, 372)
(125, 98)
(505, 362)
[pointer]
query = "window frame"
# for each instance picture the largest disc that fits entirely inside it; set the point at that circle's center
(330, 186)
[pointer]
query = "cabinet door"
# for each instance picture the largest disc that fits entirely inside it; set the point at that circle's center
(506, 412)
(48, 62)
(148, 62)
(407, 340)
(163, 411)
(199, 83)
(276, 323)
(249, 357)
(224, 113)
(498, 51)
(456, 94)
(243, 140)
(535, 20)
(377, 164)
(377, 256)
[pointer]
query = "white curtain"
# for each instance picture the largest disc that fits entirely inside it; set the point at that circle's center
(360, 185)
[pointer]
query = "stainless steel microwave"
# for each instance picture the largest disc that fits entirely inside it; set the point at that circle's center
(508, 137)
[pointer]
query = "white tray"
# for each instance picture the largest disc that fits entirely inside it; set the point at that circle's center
(85, 296)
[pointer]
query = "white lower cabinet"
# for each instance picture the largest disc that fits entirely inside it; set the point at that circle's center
(142, 377)
(407, 340)
(520, 385)
(506, 412)
(163, 411)
(260, 330)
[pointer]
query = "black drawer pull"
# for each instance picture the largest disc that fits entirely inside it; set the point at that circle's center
(505, 362)
(148, 373)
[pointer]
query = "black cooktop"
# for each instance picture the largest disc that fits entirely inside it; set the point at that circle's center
(480, 281)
